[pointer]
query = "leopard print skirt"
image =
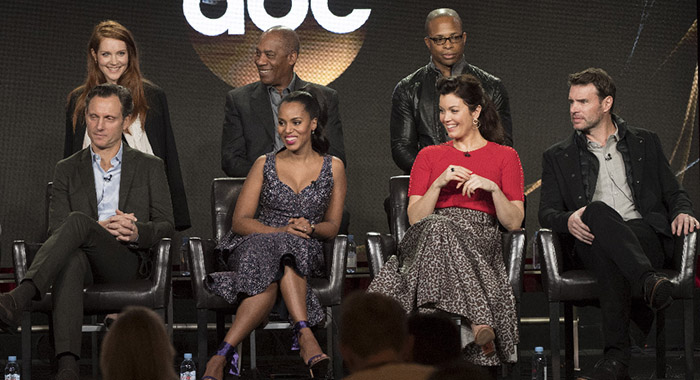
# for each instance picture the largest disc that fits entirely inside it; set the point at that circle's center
(452, 261)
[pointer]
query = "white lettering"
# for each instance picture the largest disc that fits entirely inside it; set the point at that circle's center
(233, 20)
(263, 20)
(335, 24)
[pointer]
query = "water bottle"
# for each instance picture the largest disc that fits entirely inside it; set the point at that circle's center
(184, 264)
(12, 368)
(539, 364)
(351, 266)
(187, 369)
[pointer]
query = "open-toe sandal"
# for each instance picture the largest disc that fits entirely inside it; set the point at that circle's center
(318, 364)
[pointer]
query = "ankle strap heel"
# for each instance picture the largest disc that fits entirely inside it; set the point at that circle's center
(231, 355)
(296, 329)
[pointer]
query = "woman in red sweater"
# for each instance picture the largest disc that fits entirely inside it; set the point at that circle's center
(450, 259)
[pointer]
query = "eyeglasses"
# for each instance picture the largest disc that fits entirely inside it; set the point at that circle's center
(441, 40)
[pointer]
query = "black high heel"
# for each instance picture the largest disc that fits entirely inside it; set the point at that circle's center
(317, 364)
(229, 352)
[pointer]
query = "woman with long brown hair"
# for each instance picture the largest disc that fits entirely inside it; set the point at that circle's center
(112, 57)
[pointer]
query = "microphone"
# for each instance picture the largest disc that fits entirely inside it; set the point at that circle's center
(466, 154)
(107, 178)
(608, 157)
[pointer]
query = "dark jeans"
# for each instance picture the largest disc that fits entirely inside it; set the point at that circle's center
(80, 252)
(622, 254)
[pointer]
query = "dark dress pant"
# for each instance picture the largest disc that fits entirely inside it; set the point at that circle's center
(622, 254)
(80, 252)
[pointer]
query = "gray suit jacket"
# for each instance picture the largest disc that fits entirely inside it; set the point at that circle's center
(249, 126)
(143, 191)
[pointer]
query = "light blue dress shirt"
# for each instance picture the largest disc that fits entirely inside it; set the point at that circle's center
(107, 184)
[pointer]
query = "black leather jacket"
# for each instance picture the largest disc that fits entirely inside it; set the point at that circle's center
(415, 119)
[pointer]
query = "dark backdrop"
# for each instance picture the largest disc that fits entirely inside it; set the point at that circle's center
(649, 47)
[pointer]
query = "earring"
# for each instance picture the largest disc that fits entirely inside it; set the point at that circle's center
(476, 122)
(313, 131)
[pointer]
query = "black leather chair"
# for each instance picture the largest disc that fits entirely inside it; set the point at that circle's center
(579, 287)
(202, 260)
(152, 292)
(381, 246)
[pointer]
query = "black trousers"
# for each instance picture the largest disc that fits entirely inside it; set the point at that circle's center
(622, 254)
(80, 252)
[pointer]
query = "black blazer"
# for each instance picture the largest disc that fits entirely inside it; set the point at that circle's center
(142, 190)
(658, 196)
(160, 135)
(249, 127)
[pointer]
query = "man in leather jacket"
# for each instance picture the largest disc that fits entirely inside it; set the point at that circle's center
(415, 121)
(610, 186)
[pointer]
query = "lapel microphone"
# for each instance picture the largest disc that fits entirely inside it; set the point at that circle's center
(466, 154)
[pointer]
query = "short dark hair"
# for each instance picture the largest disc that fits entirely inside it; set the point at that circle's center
(469, 89)
(106, 90)
(290, 38)
(602, 81)
(442, 12)
(371, 323)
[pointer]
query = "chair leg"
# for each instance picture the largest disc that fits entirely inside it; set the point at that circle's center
(515, 368)
(94, 350)
(220, 326)
(554, 339)
(333, 331)
(569, 341)
(202, 338)
(170, 318)
(688, 339)
(27, 345)
(660, 345)
(253, 351)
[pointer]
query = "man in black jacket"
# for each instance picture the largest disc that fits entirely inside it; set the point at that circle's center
(610, 186)
(250, 122)
(415, 121)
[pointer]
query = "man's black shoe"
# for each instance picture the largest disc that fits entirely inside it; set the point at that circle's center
(657, 291)
(608, 369)
(10, 314)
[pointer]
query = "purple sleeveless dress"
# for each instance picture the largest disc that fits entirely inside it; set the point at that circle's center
(254, 261)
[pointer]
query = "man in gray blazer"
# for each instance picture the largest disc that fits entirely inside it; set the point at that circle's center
(110, 203)
(250, 123)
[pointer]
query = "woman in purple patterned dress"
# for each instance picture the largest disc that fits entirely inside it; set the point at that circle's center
(300, 192)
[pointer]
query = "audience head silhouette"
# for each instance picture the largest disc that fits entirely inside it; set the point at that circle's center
(137, 347)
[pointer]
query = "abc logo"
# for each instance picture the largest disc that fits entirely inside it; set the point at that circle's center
(225, 44)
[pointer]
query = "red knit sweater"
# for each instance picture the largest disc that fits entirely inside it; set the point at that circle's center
(498, 163)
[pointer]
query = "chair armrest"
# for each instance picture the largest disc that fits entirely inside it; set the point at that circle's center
(550, 256)
(684, 263)
(201, 258)
(513, 252)
(337, 268)
(379, 248)
(162, 271)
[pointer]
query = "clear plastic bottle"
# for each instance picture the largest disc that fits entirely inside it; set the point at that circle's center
(539, 364)
(188, 371)
(12, 369)
(351, 266)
